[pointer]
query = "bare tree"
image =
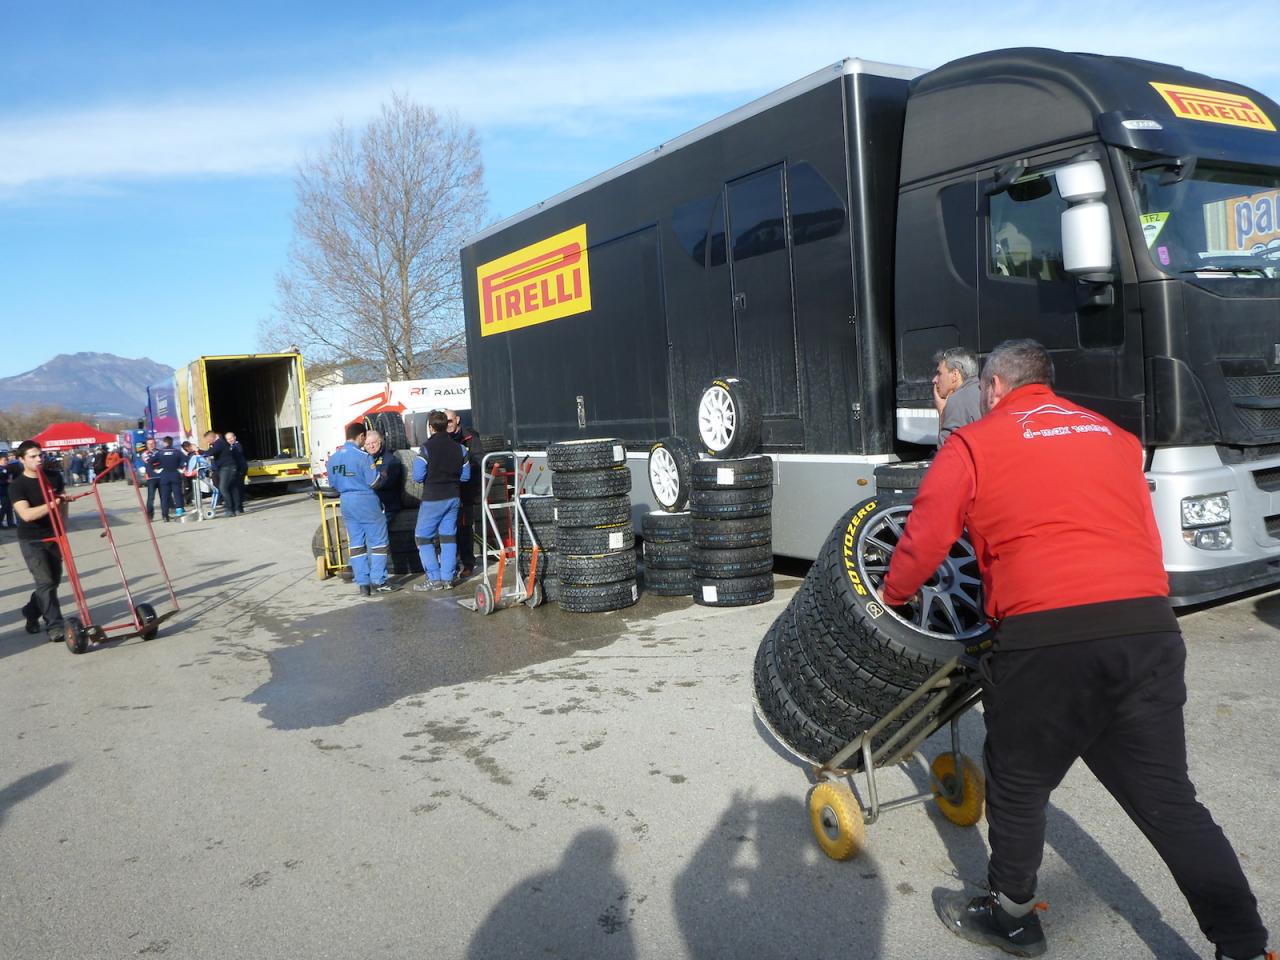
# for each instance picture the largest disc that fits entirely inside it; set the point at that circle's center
(374, 274)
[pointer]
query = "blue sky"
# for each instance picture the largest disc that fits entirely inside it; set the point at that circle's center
(147, 151)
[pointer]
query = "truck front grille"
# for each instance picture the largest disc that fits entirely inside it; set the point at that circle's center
(1273, 526)
(1267, 385)
(1267, 480)
(1260, 421)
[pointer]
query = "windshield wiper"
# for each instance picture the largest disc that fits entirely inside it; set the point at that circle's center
(1228, 271)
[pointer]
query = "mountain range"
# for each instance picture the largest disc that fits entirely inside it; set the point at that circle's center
(98, 384)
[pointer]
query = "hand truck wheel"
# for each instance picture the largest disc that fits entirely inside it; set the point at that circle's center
(536, 598)
(146, 615)
(75, 635)
(484, 598)
(960, 797)
(836, 818)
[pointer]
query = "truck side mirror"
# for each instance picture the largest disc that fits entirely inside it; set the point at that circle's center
(1086, 223)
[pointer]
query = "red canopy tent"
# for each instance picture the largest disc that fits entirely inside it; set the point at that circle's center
(68, 436)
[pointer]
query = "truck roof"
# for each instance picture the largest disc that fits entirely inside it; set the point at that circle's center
(846, 67)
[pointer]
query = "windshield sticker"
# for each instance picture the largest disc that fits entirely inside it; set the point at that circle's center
(1152, 224)
(1213, 106)
(1163, 254)
(1253, 220)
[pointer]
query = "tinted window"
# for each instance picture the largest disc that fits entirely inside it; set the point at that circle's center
(716, 255)
(1026, 231)
(690, 224)
(816, 209)
(756, 212)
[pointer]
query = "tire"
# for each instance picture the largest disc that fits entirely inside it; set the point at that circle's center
(732, 592)
(410, 491)
(724, 534)
(75, 635)
(575, 455)
(660, 527)
(740, 474)
(671, 462)
(666, 556)
(598, 598)
(493, 443)
(787, 720)
(550, 590)
(587, 484)
(337, 530)
(668, 583)
(592, 513)
(730, 504)
(728, 418)
(147, 616)
(545, 533)
(606, 568)
(538, 510)
(548, 565)
(589, 541)
(837, 822)
(739, 562)
(391, 426)
(898, 478)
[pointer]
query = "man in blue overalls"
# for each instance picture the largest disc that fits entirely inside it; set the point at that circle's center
(352, 474)
(165, 466)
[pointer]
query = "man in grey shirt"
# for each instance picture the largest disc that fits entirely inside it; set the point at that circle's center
(956, 396)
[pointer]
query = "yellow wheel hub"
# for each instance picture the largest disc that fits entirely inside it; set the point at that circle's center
(837, 821)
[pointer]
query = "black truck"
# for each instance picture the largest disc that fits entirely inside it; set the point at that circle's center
(825, 241)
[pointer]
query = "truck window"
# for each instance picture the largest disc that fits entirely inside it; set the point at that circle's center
(1025, 231)
(758, 225)
(816, 209)
(690, 222)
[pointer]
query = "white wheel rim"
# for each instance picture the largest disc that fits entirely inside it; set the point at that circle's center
(717, 418)
(664, 476)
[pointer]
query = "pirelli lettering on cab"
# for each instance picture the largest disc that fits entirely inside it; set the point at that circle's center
(545, 281)
(1213, 106)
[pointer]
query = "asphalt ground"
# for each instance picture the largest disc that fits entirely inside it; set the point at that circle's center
(288, 770)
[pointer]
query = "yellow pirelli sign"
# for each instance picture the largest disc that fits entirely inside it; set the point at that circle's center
(1212, 106)
(544, 281)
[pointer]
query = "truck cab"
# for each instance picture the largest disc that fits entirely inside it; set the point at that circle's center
(1123, 213)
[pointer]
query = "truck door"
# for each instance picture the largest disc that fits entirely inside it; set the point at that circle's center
(1024, 291)
(763, 306)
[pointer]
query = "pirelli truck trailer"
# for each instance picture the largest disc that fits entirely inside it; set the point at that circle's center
(261, 397)
(823, 242)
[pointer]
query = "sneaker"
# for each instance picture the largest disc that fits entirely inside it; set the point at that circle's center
(424, 586)
(982, 920)
(384, 588)
(366, 590)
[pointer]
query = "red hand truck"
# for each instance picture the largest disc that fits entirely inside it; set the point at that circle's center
(81, 632)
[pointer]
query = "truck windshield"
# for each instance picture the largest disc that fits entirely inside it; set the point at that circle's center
(1215, 221)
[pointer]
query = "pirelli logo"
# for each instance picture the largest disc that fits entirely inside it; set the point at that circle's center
(544, 281)
(1214, 107)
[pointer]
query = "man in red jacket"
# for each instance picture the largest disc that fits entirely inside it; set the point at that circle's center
(1087, 660)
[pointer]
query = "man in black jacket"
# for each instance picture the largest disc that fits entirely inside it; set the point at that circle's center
(242, 471)
(35, 539)
(222, 462)
(440, 466)
(470, 492)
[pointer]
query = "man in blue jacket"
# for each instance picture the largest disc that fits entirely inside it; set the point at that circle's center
(441, 467)
(353, 475)
(166, 466)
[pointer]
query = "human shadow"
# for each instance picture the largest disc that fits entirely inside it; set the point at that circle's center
(1076, 847)
(580, 909)
(758, 886)
(31, 784)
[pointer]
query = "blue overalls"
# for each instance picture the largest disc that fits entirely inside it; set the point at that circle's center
(166, 465)
(352, 474)
(437, 518)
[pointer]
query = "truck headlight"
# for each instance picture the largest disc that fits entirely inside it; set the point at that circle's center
(1208, 538)
(1207, 511)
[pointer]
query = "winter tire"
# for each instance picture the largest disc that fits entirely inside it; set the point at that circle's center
(726, 504)
(738, 562)
(658, 526)
(575, 455)
(548, 565)
(592, 513)
(899, 478)
(666, 556)
(668, 583)
(586, 484)
(671, 462)
(598, 598)
(606, 568)
(538, 510)
(544, 533)
(722, 534)
(410, 492)
(737, 474)
(728, 418)
(732, 591)
(391, 426)
(588, 541)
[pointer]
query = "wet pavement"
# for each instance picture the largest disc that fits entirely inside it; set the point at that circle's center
(290, 771)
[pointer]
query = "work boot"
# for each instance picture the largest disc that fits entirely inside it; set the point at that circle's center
(33, 620)
(366, 590)
(983, 920)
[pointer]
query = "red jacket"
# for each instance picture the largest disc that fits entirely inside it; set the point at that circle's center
(1056, 506)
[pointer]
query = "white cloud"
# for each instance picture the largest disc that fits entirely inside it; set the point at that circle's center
(599, 80)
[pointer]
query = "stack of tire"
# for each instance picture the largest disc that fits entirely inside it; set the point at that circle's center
(668, 542)
(731, 505)
(595, 542)
(541, 514)
(836, 660)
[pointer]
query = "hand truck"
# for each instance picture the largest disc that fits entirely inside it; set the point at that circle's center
(507, 470)
(336, 556)
(839, 818)
(80, 632)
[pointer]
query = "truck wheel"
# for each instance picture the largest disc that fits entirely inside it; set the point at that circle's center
(598, 598)
(720, 534)
(735, 562)
(740, 474)
(592, 513)
(573, 455)
(606, 568)
(666, 556)
(670, 468)
(729, 504)
(658, 526)
(586, 484)
(732, 591)
(728, 418)
(588, 541)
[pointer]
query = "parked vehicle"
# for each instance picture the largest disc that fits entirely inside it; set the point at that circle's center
(798, 262)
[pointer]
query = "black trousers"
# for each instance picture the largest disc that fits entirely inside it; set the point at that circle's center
(1117, 704)
(170, 495)
(44, 560)
(231, 490)
(466, 540)
(153, 487)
